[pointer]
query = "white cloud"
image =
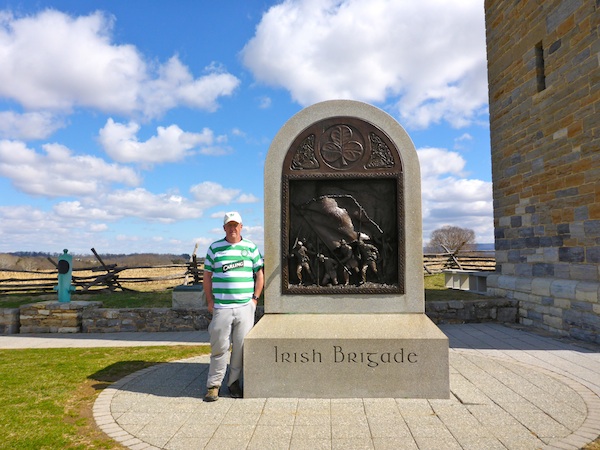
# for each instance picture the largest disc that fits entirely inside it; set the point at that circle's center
(127, 238)
(28, 126)
(168, 145)
(438, 161)
(140, 203)
(98, 227)
(30, 228)
(58, 172)
(430, 55)
(209, 194)
(215, 150)
(175, 85)
(459, 141)
(264, 102)
(450, 199)
(247, 198)
(45, 64)
(464, 137)
(76, 210)
(80, 225)
(145, 205)
(218, 215)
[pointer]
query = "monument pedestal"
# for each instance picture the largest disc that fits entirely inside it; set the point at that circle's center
(346, 356)
(189, 297)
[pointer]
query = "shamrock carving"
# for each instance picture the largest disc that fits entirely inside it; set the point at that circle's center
(341, 150)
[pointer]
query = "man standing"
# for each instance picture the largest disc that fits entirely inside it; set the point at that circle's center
(233, 281)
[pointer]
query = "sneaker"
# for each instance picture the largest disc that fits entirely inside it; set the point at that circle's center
(212, 394)
(235, 390)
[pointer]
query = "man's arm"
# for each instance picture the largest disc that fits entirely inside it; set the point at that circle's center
(207, 282)
(259, 282)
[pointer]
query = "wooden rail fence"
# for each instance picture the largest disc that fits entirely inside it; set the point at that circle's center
(474, 260)
(141, 278)
(144, 278)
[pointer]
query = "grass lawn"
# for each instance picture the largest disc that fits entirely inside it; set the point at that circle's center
(126, 299)
(47, 394)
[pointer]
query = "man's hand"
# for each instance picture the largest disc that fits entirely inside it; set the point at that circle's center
(207, 284)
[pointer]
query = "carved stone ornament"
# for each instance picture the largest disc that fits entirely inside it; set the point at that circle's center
(381, 157)
(304, 158)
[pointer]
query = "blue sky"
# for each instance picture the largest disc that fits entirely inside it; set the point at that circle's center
(132, 126)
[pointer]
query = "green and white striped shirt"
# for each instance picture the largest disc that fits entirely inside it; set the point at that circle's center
(233, 267)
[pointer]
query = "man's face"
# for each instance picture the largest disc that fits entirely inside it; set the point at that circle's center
(233, 232)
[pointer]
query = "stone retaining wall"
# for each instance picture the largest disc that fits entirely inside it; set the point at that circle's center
(90, 317)
(54, 317)
(109, 320)
(500, 310)
(9, 320)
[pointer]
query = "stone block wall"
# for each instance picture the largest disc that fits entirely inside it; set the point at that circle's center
(54, 317)
(501, 310)
(90, 317)
(544, 94)
(109, 320)
(565, 307)
(9, 320)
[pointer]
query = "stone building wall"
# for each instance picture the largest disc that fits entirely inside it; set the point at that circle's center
(544, 94)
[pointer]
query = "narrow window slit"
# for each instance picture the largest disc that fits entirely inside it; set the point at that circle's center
(539, 67)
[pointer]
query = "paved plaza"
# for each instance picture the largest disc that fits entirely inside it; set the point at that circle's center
(511, 388)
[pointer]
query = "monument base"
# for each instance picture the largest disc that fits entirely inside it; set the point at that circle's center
(189, 297)
(346, 356)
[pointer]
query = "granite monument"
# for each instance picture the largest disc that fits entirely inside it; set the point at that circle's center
(344, 298)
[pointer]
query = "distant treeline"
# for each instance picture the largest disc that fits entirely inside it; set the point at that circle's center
(185, 256)
(42, 260)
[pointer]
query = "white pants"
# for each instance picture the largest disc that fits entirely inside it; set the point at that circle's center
(229, 326)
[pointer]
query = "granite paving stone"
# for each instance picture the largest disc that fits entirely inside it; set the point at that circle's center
(310, 444)
(311, 432)
(511, 388)
(394, 443)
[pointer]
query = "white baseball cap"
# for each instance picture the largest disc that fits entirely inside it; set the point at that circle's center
(232, 216)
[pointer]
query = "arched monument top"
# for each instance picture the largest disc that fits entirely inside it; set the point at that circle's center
(338, 154)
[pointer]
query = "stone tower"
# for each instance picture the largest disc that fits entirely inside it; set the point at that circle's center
(544, 95)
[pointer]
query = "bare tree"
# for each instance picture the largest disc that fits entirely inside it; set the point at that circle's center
(451, 239)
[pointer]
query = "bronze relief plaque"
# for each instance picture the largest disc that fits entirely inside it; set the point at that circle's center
(342, 211)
